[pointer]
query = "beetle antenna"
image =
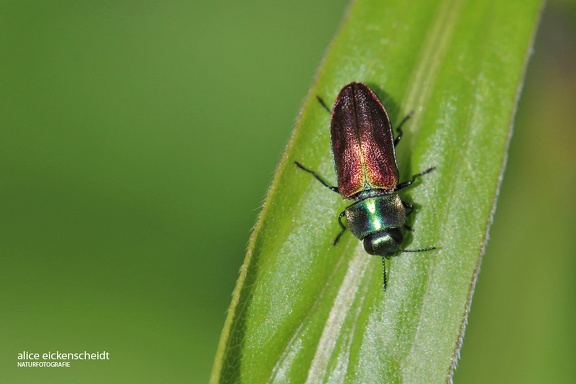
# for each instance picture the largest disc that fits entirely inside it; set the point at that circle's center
(418, 250)
(384, 280)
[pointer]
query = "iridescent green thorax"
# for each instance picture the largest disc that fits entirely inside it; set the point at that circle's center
(376, 214)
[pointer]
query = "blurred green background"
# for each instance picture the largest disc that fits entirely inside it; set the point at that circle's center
(137, 142)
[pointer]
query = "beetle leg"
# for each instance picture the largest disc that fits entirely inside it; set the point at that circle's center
(333, 189)
(323, 104)
(342, 214)
(399, 128)
(409, 206)
(408, 183)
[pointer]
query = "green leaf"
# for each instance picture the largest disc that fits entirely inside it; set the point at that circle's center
(306, 311)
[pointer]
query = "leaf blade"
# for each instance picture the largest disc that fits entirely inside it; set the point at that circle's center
(304, 311)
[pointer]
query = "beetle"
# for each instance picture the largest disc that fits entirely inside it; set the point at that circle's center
(363, 147)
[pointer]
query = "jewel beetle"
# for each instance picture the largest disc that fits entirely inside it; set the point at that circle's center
(363, 147)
